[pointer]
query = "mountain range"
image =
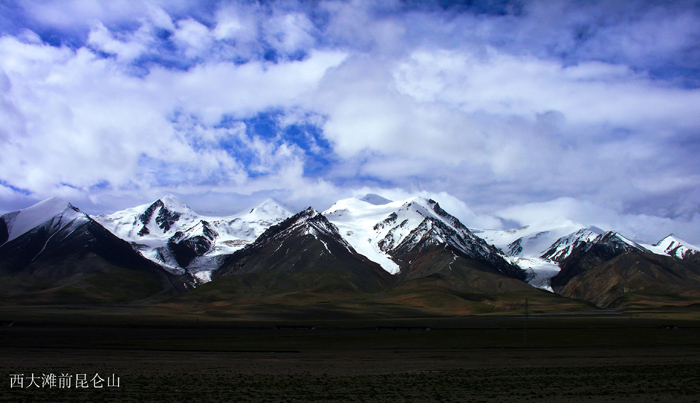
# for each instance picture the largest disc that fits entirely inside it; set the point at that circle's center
(411, 253)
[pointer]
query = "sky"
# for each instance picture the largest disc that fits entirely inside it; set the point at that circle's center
(506, 112)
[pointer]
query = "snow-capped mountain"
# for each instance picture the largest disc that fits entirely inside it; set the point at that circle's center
(531, 240)
(52, 245)
(389, 233)
(303, 252)
(611, 270)
(358, 245)
(539, 248)
(587, 249)
(54, 212)
(307, 222)
(171, 234)
(355, 220)
(675, 247)
(562, 247)
(524, 247)
(584, 239)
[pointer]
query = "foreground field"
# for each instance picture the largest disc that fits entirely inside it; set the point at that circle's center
(365, 375)
(564, 358)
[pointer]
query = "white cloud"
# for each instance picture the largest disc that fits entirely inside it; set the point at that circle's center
(213, 89)
(641, 227)
(514, 127)
(289, 32)
(563, 100)
(126, 50)
(193, 36)
(72, 14)
(238, 22)
(587, 93)
(82, 120)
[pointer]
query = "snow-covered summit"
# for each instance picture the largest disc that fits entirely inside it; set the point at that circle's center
(530, 246)
(162, 231)
(24, 220)
(563, 247)
(531, 240)
(373, 198)
(308, 221)
(355, 219)
(674, 246)
(586, 238)
(268, 210)
(173, 203)
(382, 232)
(153, 221)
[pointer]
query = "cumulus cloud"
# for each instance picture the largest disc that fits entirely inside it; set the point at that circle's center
(496, 103)
(77, 14)
(80, 119)
(213, 89)
(586, 93)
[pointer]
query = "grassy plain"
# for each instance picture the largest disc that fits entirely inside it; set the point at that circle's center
(334, 353)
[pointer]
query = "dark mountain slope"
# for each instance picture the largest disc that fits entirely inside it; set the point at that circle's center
(587, 254)
(441, 279)
(637, 278)
(73, 256)
(434, 227)
(303, 254)
(4, 233)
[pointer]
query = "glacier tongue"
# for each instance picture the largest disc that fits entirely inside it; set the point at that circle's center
(525, 245)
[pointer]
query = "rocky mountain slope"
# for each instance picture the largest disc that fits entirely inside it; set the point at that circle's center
(172, 235)
(395, 234)
(54, 252)
(303, 253)
(358, 246)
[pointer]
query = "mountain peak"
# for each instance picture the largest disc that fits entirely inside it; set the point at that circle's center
(308, 212)
(373, 198)
(52, 203)
(166, 212)
(270, 208)
(308, 221)
(24, 220)
(674, 246)
(595, 229)
(564, 246)
(621, 241)
(585, 238)
(173, 203)
(668, 238)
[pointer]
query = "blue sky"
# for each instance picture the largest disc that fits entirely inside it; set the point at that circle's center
(504, 111)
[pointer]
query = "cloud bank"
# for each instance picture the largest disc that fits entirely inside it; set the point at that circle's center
(586, 110)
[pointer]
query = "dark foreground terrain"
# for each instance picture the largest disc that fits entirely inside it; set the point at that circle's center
(568, 358)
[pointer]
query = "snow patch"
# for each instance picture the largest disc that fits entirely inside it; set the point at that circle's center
(228, 234)
(25, 220)
(203, 276)
(673, 246)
